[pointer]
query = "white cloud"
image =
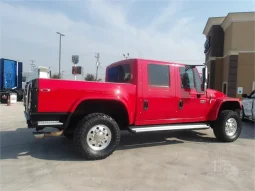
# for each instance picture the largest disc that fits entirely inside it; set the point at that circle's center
(31, 34)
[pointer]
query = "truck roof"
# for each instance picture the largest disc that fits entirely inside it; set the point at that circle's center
(147, 60)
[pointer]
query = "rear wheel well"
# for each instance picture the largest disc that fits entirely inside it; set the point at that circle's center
(113, 108)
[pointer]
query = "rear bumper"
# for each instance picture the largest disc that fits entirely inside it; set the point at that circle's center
(41, 120)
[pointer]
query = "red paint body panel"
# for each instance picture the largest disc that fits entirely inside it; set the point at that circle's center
(66, 95)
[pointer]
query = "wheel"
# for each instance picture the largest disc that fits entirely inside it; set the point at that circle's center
(96, 136)
(228, 126)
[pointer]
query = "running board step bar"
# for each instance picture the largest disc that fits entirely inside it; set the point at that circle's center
(138, 129)
(49, 123)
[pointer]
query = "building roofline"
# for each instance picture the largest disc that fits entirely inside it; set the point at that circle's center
(226, 21)
(210, 22)
(237, 17)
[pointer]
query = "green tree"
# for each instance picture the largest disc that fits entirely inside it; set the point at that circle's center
(56, 76)
(90, 77)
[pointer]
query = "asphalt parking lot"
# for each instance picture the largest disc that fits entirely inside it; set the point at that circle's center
(187, 160)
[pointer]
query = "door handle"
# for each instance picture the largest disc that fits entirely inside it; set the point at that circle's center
(45, 90)
(145, 104)
(180, 104)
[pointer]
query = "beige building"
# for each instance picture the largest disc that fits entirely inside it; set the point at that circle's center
(230, 53)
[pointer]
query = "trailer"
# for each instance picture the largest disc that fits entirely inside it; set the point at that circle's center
(11, 77)
(36, 73)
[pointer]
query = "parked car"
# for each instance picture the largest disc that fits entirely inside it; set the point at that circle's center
(138, 95)
(248, 109)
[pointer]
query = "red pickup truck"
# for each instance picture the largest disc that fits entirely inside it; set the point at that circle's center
(138, 95)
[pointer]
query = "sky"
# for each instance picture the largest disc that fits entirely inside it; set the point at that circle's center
(150, 29)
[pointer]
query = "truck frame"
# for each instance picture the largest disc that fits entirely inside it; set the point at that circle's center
(138, 95)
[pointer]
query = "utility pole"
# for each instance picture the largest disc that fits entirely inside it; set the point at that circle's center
(59, 66)
(126, 56)
(97, 56)
(32, 65)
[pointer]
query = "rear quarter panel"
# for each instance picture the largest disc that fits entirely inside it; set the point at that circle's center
(63, 96)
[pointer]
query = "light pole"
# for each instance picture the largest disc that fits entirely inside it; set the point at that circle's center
(97, 56)
(32, 65)
(59, 66)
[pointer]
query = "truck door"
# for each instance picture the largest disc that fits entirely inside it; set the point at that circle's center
(248, 105)
(158, 99)
(191, 100)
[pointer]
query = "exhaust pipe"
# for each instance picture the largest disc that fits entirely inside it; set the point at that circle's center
(40, 135)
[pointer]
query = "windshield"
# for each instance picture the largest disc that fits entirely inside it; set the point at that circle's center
(119, 74)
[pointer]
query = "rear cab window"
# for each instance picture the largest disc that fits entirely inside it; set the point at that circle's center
(120, 73)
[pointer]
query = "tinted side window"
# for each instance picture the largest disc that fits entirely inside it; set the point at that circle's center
(190, 75)
(158, 75)
(198, 81)
(120, 73)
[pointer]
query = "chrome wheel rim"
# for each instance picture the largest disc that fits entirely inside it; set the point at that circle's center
(99, 137)
(231, 127)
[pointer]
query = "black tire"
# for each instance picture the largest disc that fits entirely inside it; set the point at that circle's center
(19, 95)
(219, 128)
(83, 128)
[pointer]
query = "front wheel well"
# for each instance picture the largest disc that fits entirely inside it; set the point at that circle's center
(113, 108)
(230, 105)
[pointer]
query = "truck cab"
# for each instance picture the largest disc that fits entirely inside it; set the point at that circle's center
(138, 95)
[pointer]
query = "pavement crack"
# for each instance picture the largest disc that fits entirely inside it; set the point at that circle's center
(43, 176)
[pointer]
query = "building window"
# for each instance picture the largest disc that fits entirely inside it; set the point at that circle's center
(253, 86)
(158, 75)
(225, 88)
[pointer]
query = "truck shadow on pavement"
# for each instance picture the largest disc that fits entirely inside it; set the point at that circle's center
(21, 143)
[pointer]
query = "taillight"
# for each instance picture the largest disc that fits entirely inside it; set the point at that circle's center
(28, 97)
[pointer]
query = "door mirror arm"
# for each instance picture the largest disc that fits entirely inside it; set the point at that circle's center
(245, 96)
(205, 80)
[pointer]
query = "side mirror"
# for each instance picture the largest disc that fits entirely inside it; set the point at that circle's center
(244, 95)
